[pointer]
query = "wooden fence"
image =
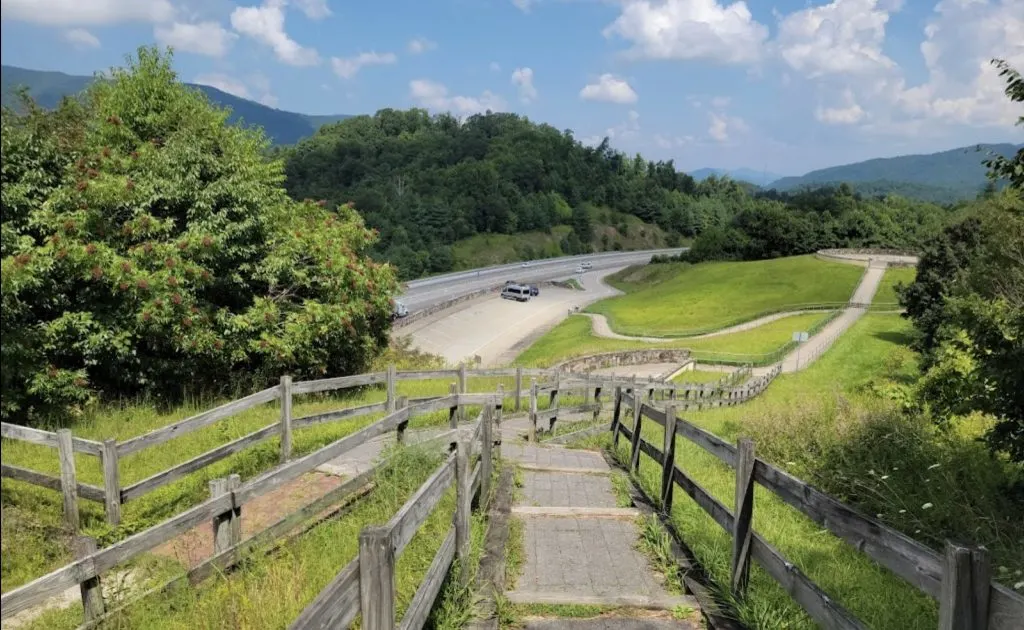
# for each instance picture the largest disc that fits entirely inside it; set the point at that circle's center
(228, 496)
(959, 578)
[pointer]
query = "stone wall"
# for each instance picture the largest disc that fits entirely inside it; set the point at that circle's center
(624, 357)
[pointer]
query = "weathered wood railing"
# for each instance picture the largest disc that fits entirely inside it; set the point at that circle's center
(224, 510)
(959, 579)
(114, 494)
(367, 584)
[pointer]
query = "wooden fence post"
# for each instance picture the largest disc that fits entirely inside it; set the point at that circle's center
(463, 379)
(634, 451)
(615, 416)
(401, 403)
(221, 522)
(498, 412)
(390, 384)
(68, 481)
(235, 524)
(286, 418)
(92, 591)
(519, 386)
(586, 389)
(669, 465)
(377, 578)
(485, 454)
(533, 411)
(453, 414)
(742, 529)
(463, 495)
(964, 595)
(111, 482)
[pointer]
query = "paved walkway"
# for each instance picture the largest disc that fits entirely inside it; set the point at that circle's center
(580, 547)
(601, 328)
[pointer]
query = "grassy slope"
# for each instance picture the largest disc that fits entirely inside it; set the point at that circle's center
(824, 425)
(495, 249)
(886, 293)
(33, 541)
(678, 299)
(574, 337)
(270, 591)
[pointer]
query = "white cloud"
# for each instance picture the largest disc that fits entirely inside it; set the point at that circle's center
(849, 113)
(314, 9)
(420, 45)
(224, 83)
(86, 12)
(523, 79)
(609, 88)
(672, 142)
(265, 24)
(723, 125)
(81, 38)
(690, 29)
(348, 67)
(626, 130)
(524, 5)
(842, 37)
(203, 38)
(434, 95)
(495, 66)
(721, 102)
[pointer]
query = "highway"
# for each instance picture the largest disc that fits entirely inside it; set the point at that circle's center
(434, 290)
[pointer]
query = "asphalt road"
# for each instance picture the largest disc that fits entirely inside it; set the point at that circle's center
(430, 291)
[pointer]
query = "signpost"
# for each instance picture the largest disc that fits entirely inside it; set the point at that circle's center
(799, 338)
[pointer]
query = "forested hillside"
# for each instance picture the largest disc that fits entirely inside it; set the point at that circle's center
(943, 177)
(432, 185)
(48, 88)
(431, 182)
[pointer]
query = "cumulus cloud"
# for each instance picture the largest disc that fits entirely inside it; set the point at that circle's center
(420, 45)
(203, 38)
(611, 89)
(314, 9)
(224, 83)
(524, 5)
(348, 67)
(435, 96)
(849, 113)
(690, 29)
(523, 79)
(723, 125)
(87, 12)
(81, 38)
(842, 37)
(265, 24)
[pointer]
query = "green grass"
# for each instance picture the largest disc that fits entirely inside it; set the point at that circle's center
(698, 376)
(33, 539)
(886, 293)
(574, 337)
(837, 425)
(679, 299)
(270, 591)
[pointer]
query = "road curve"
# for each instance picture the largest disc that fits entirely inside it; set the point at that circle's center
(430, 291)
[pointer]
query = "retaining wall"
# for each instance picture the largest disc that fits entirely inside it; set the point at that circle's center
(625, 357)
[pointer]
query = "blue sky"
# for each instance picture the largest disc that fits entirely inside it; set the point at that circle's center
(784, 86)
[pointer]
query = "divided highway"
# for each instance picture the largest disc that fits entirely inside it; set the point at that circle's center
(430, 291)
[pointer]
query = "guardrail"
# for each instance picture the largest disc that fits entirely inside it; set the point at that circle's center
(959, 578)
(224, 510)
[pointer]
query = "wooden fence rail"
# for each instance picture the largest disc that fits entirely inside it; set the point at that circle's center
(224, 509)
(959, 579)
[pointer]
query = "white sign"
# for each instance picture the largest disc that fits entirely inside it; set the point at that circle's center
(800, 336)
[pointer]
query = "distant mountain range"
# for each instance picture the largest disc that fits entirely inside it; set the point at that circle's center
(760, 178)
(282, 127)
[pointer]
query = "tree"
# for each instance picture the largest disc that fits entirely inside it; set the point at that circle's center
(150, 248)
(1011, 169)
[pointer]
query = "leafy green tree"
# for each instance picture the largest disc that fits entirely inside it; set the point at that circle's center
(1011, 169)
(148, 246)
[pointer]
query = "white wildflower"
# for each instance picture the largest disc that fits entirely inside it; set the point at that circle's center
(933, 466)
(1019, 586)
(903, 511)
(884, 477)
(927, 506)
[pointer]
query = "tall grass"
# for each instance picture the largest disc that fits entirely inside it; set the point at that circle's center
(269, 591)
(840, 426)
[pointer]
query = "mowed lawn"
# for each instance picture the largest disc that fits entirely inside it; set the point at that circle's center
(678, 299)
(574, 337)
(894, 276)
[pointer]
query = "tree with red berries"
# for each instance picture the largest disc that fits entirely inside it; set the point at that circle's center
(148, 247)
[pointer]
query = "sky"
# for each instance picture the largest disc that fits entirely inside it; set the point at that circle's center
(784, 86)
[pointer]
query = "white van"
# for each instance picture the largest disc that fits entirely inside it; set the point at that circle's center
(516, 292)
